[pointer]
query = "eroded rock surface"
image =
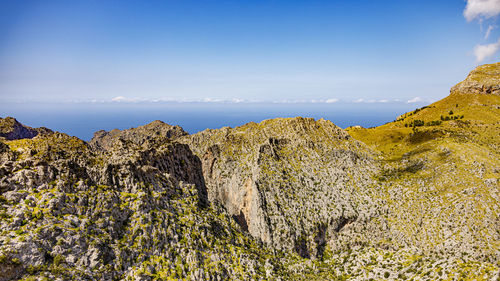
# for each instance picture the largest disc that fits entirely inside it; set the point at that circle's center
(11, 129)
(285, 199)
(292, 183)
(104, 140)
(134, 211)
(484, 79)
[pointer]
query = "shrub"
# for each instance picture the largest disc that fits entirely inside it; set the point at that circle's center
(58, 260)
(433, 123)
(418, 123)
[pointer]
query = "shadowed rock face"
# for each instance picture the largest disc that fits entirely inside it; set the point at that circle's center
(11, 129)
(283, 178)
(285, 199)
(104, 215)
(104, 140)
(485, 79)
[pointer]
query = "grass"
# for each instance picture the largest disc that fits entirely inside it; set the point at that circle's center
(481, 122)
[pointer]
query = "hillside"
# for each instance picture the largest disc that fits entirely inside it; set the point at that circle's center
(293, 183)
(472, 111)
(284, 199)
(441, 169)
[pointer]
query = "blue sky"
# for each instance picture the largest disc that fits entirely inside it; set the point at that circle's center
(279, 51)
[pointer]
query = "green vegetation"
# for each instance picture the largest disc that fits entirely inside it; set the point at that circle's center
(414, 199)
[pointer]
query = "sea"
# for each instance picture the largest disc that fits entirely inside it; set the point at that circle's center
(83, 119)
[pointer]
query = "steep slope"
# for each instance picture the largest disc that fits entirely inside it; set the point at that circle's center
(292, 183)
(485, 79)
(285, 199)
(471, 111)
(11, 129)
(133, 212)
(441, 171)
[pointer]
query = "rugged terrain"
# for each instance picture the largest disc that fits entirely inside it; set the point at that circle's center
(295, 198)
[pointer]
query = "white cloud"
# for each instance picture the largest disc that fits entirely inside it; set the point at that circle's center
(488, 31)
(415, 99)
(483, 52)
(122, 99)
(481, 9)
(236, 100)
(119, 99)
(362, 100)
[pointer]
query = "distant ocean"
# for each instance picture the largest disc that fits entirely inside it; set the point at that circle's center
(83, 119)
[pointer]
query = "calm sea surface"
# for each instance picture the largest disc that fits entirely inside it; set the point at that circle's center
(82, 120)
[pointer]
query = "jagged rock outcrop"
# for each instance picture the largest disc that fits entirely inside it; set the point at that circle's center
(104, 140)
(285, 199)
(292, 183)
(134, 211)
(11, 129)
(484, 79)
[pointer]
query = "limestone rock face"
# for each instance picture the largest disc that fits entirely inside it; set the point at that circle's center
(11, 129)
(485, 79)
(292, 183)
(285, 199)
(135, 211)
(104, 140)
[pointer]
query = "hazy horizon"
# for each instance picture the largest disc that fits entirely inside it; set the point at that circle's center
(267, 51)
(76, 66)
(83, 119)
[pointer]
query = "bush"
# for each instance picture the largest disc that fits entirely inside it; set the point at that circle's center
(433, 123)
(58, 260)
(418, 123)
(3, 200)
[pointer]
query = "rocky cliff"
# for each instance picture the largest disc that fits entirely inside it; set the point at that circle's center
(284, 199)
(104, 140)
(292, 183)
(132, 212)
(485, 79)
(11, 129)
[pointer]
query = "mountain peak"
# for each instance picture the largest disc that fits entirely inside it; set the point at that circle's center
(104, 140)
(11, 129)
(484, 79)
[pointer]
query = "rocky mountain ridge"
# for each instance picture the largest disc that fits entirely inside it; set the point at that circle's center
(103, 140)
(485, 79)
(293, 183)
(284, 199)
(11, 129)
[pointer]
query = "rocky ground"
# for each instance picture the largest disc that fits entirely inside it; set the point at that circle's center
(285, 199)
